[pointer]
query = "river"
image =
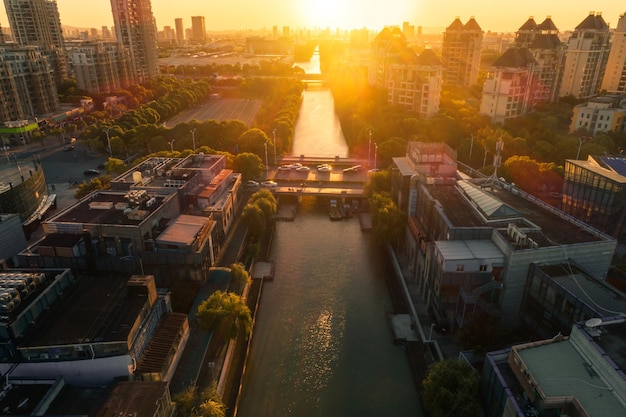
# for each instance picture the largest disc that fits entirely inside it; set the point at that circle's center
(322, 345)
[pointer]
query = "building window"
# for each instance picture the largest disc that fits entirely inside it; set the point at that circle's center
(459, 268)
(482, 268)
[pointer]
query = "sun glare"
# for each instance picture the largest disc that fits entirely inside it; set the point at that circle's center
(353, 14)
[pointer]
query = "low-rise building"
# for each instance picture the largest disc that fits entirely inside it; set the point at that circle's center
(580, 375)
(600, 115)
(471, 242)
(89, 330)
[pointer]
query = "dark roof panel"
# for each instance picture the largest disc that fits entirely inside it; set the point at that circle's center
(515, 58)
(428, 57)
(592, 22)
(472, 25)
(546, 42)
(530, 24)
(547, 24)
(456, 25)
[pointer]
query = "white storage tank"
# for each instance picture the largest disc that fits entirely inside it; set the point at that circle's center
(137, 177)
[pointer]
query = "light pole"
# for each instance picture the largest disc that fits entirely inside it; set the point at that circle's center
(485, 158)
(172, 146)
(471, 147)
(267, 167)
(375, 155)
(109, 142)
(580, 145)
(430, 333)
(369, 146)
(274, 132)
(193, 137)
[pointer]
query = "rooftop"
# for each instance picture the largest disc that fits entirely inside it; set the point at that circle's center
(560, 371)
(596, 293)
(183, 230)
(466, 204)
(118, 208)
(136, 398)
(468, 249)
(98, 309)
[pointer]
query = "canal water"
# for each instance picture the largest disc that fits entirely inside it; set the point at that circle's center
(322, 345)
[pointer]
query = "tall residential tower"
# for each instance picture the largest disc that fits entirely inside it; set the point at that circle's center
(585, 58)
(37, 23)
(615, 74)
(460, 53)
(136, 30)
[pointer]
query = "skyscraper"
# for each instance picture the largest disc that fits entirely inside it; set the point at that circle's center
(37, 23)
(180, 31)
(198, 29)
(615, 74)
(585, 58)
(460, 53)
(136, 30)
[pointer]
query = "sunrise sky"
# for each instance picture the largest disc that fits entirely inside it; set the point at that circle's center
(494, 15)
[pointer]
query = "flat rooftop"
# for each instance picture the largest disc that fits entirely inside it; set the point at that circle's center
(466, 204)
(108, 208)
(592, 291)
(560, 371)
(97, 309)
(135, 398)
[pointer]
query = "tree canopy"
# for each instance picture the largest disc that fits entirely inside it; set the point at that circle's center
(226, 314)
(451, 389)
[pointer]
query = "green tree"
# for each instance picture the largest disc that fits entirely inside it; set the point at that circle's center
(451, 389)
(115, 166)
(239, 277)
(85, 188)
(191, 403)
(226, 314)
(254, 140)
(255, 219)
(249, 164)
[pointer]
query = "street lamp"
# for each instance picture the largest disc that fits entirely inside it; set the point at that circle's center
(172, 146)
(267, 167)
(375, 155)
(580, 144)
(193, 137)
(109, 142)
(369, 145)
(430, 333)
(274, 132)
(485, 158)
(471, 147)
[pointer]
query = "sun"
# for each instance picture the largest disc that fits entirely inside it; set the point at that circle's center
(354, 14)
(325, 13)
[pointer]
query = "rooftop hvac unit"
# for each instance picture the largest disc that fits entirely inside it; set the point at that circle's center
(150, 202)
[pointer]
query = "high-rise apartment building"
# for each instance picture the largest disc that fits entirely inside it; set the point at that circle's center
(510, 87)
(180, 31)
(37, 23)
(411, 81)
(542, 41)
(135, 28)
(585, 58)
(101, 67)
(198, 29)
(26, 82)
(460, 53)
(615, 73)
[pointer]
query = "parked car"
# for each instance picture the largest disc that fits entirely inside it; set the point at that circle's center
(91, 172)
(284, 168)
(295, 165)
(69, 148)
(303, 169)
(348, 170)
(324, 169)
(269, 184)
(252, 184)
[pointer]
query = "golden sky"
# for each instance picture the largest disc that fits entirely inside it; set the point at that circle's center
(494, 15)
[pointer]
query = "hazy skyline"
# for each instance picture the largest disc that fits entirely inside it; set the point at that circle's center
(497, 16)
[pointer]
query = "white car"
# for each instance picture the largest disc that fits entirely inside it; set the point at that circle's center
(284, 168)
(295, 165)
(303, 169)
(252, 184)
(269, 184)
(324, 169)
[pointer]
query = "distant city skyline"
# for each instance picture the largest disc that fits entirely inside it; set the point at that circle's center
(496, 16)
